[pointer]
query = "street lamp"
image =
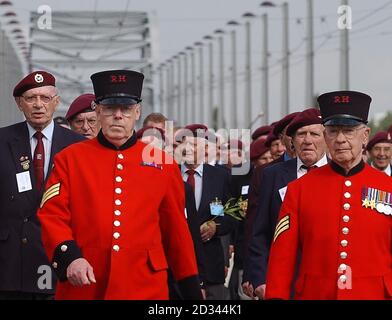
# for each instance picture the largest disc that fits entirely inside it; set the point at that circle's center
(161, 89)
(309, 82)
(9, 14)
(233, 104)
(221, 107)
(267, 4)
(208, 113)
(169, 85)
(285, 60)
(184, 110)
(201, 117)
(192, 112)
(248, 71)
(180, 110)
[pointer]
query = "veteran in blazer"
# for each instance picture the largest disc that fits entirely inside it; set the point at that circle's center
(26, 159)
(210, 186)
(306, 131)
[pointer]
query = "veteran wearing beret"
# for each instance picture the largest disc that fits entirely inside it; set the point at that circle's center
(112, 220)
(26, 159)
(338, 217)
(306, 132)
(82, 117)
(379, 149)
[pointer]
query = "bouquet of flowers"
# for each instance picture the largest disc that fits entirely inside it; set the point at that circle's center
(236, 208)
(233, 207)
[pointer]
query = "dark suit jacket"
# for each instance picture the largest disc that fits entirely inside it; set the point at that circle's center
(237, 183)
(21, 250)
(269, 202)
(215, 184)
(194, 228)
(253, 198)
(193, 220)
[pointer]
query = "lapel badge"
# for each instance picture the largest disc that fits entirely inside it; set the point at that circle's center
(151, 164)
(24, 162)
(378, 200)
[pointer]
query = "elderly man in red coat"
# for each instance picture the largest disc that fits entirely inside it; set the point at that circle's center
(338, 216)
(113, 220)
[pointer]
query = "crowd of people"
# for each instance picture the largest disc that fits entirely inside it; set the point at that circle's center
(301, 209)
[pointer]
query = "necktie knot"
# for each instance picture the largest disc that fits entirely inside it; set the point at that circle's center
(190, 172)
(38, 135)
(308, 168)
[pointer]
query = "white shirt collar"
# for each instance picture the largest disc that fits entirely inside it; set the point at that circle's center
(323, 161)
(47, 132)
(386, 171)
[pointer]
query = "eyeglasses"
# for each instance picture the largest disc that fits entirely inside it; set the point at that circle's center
(125, 110)
(80, 122)
(33, 99)
(349, 132)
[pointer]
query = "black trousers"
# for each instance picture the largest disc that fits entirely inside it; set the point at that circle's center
(19, 295)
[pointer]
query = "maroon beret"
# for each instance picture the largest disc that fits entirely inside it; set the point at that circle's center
(83, 103)
(193, 130)
(34, 80)
(305, 118)
(257, 149)
(196, 127)
(264, 130)
(379, 137)
(270, 138)
(284, 122)
(151, 131)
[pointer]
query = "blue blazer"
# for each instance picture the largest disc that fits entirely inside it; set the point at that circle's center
(269, 202)
(21, 250)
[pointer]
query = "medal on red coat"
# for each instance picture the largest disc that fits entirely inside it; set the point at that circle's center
(377, 200)
(151, 164)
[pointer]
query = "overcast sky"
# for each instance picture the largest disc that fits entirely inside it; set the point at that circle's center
(180, 23)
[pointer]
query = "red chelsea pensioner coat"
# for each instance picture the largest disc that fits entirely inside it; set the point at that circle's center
(126, 216)
(345, 245)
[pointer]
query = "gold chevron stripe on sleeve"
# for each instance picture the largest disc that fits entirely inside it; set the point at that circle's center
(277, 234)
(283, 220)
(50, 193)
(283, 225)
(52, 189)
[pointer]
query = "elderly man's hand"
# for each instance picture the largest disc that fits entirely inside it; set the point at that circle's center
(260, 291)
(80, 273)
(247, 287)
(207, 230)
